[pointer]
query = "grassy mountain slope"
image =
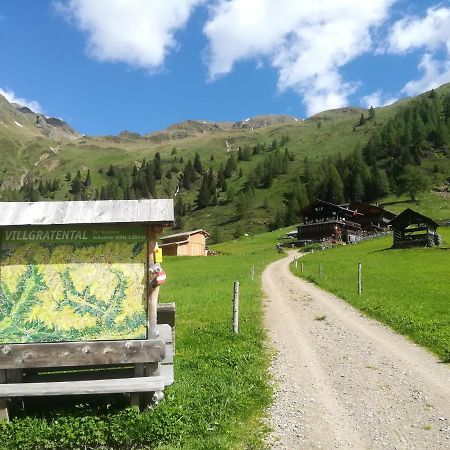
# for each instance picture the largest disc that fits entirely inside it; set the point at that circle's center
(27, 153)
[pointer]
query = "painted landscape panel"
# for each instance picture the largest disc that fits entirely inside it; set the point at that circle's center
(72, 283)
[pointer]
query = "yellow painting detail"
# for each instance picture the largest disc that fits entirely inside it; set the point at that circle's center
(66, 292)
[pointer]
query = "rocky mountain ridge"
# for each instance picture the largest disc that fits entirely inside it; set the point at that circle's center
(19, 119)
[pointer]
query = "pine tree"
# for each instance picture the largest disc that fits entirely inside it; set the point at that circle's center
(212, 185)
(76, 186)
(41, 188)
(157, 166)
(220, 177)
(285, 162)
(362, 120)
(230, 167)
(358, 189)
(87, 181)
(198, 167)
(204, 196)
(224, 186)
(111, 171)
(371, 113)
(335, 187)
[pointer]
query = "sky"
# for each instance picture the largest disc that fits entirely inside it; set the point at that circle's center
(106, 66)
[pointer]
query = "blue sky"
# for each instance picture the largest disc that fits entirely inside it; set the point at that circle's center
(141, 65)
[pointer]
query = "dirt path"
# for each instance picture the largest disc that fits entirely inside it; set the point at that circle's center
(344, 381)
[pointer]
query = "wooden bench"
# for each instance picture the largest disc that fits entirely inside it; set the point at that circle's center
(104, 363)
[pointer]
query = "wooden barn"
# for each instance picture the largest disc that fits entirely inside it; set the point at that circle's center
(188, 243)
(327, 221)
(412, 229)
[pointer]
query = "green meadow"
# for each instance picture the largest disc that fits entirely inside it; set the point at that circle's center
(407, 289)
(221, 387)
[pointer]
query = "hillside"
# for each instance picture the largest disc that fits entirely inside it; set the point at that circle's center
(44, 158)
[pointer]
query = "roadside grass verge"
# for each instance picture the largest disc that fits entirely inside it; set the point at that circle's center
(407, 289)
(221, 387)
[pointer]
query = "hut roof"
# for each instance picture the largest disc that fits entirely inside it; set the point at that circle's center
(86, 212)
(307, 210)
(408, 217)
(368, 208)
(178, 237)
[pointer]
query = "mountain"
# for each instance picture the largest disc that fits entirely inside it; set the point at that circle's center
(18, 119)
(270, 161)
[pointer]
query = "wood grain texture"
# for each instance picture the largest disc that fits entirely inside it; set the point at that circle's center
(166, 314)
(63, 354)
(87, 212)
(113, 386)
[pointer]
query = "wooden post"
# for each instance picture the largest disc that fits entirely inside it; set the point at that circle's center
(236, 307)
(152, 292)
(253, 272)
(359, 278)
(142, 401)
(302, 267)
(4, 414)
(296, 262)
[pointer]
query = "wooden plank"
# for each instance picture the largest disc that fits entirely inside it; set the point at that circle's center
(87, 212)
(62, 354)
(4, 413)
(166, 371)
(114, 386)
(166, 314)
(165, 333)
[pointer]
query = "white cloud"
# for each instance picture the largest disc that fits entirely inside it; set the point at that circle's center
(431, 33)
(12, 98)
(376, 99)
(137, 32)
(307, 42)
(435, 74)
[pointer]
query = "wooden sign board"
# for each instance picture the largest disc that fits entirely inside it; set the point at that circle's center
(73, 283)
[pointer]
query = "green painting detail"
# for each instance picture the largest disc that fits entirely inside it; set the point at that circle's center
(70, 292)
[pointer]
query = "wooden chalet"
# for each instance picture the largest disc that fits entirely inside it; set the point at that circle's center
(412, 229)
(189, 243)
(92, 276)
(372, 218)
(327, 221)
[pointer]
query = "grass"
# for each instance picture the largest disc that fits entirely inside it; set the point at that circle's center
(221, 387)
(431, 204)
(407, 289)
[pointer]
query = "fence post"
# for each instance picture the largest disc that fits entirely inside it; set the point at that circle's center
(236, 307)
(296, 262)
(359, 278)
(302, 267)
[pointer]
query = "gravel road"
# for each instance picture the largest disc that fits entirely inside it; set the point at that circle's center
(345, 381)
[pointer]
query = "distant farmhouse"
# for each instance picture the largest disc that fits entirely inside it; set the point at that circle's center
(345, 223)
(412, 229)
(189, 243)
